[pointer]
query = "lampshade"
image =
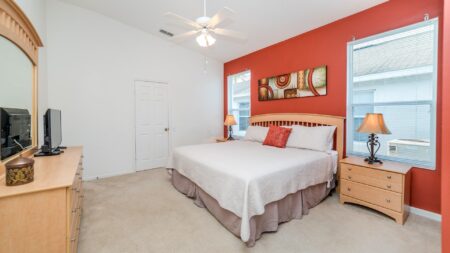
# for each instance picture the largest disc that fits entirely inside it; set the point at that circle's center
(205, 39)
(229, 120)
(373, 123)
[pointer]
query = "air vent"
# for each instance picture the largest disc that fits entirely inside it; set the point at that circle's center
(166, 32)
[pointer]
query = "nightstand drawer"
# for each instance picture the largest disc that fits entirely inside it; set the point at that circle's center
(373, 195)
(381, 183)
(393, 178)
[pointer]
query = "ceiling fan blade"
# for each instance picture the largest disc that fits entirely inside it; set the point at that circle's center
(183, 36)
(182, 20)
(224, 14)
(230, 34)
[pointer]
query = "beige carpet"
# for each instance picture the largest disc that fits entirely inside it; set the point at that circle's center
(142, 212)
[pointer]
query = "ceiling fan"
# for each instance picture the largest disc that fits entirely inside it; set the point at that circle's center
(205, 27)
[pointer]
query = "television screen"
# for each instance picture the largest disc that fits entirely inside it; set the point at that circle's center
(53, 133)
(15, 127)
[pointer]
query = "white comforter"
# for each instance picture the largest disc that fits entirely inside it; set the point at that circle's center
(244, 176)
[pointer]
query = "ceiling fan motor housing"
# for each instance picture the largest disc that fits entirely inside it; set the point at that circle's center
(203, 21)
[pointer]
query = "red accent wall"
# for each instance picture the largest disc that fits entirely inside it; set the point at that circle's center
(328, 45)
(446, 133)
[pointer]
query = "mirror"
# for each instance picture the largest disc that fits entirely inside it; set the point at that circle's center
(16, 99)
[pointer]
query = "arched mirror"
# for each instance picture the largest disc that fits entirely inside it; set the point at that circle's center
(19, 45)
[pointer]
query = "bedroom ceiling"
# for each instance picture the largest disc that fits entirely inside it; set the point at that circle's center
(265, 22)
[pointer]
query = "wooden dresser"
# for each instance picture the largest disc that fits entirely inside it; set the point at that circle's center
(44, 216)
(383, 187)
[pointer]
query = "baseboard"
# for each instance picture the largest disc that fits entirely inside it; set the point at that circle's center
(426, 214)
(113, 174)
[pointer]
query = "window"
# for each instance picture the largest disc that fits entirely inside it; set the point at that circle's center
(362, 97)
(395, 73)
(239, 101)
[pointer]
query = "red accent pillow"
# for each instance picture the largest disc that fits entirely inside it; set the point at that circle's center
(277, 136)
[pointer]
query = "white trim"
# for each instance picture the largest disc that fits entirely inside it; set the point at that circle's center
(107, 175)
(350, 80)
(433, 21)
(230, 95)
(170, 123)
(426, 214)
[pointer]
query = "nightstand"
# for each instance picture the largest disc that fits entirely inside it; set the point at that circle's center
(382, 187)
(221, 140)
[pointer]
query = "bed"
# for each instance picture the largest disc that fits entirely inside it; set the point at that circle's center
(251, 188)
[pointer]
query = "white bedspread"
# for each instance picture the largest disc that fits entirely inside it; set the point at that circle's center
(244, 176)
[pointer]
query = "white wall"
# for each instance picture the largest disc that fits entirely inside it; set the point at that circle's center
(36, 12)
(92, 64)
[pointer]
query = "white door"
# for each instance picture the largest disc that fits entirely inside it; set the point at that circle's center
(152, 125)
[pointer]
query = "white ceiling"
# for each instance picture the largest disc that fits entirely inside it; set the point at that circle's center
(265, 22)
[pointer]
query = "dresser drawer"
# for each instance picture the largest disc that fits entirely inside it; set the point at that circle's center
(76, 208)
(373, 195)
(75, 233)
(76, 197)
(389, 177)
(351, 175)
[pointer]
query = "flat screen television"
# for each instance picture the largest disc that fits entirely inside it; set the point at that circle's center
(52, 133)
(15, 128)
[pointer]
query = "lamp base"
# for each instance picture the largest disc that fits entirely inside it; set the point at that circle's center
(373, 145)
(230, 134)
(372, 160)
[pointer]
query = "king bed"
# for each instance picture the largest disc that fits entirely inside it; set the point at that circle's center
(251, 188)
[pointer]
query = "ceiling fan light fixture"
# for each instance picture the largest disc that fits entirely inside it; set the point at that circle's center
(205, 40)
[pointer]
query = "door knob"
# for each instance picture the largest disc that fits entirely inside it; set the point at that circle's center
(166, 129)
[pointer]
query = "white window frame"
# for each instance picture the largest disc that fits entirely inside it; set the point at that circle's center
(433, 104)
(229, 99)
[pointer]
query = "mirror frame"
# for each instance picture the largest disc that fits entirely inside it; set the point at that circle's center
(17, 28)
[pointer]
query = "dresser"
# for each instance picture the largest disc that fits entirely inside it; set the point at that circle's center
(44, 216)
(382, 187)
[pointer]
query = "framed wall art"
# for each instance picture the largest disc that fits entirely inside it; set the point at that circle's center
(304, 83)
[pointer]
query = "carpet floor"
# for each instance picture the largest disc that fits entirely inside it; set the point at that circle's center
(143, 213)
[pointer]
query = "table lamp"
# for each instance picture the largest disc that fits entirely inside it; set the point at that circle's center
(373, 124)
(230, 122)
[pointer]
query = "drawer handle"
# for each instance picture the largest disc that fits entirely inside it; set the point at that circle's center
(349, 189)
(389, 177)
(349, 177)
(72, 240)
(349, 169)
(74, 210)
(388, 200)
(389, 186)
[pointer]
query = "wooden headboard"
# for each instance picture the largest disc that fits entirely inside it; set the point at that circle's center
(304, 119)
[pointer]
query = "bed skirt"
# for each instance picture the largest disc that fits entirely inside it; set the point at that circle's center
(293, 206)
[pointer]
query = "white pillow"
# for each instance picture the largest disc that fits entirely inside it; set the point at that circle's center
(318, 138)
(256, 133)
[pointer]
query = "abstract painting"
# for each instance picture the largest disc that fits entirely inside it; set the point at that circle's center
(305, 83)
